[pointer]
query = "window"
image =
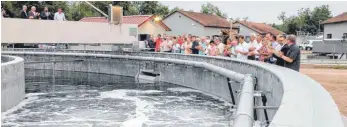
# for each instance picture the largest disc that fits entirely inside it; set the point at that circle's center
(329, 36)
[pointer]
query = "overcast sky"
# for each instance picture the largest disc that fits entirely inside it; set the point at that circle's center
(259, 11)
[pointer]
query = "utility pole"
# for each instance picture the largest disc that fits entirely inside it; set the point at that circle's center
(97, 9)
(231, 29)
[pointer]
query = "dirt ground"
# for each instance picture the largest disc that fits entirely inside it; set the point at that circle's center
(333, 80)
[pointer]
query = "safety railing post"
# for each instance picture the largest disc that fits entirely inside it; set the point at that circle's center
(244, 114)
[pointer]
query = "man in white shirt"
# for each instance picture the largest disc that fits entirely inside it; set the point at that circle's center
(167, 45)
(258, 46)
(242, 49)
(220, 46)
(274, 43)
(60, 16)
(253, 46)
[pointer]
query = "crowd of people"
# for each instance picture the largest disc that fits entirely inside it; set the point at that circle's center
(280, 50)
(32, 14)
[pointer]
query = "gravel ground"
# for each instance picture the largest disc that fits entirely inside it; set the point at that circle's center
(333, 80)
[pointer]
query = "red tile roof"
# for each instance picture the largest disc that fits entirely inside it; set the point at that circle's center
(339, 18)
(261, 28)
(206, 20)
(94, 19)
(134, 19)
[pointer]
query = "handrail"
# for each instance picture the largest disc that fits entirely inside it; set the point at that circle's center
(244, 115)
(244, 112)
(302, 96)
(225, 72)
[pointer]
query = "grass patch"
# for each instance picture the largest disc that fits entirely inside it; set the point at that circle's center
(339, 67)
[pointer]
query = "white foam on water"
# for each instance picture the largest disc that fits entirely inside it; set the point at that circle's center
(144, 113)
(30, 98)
(142, 107)
(183, 89)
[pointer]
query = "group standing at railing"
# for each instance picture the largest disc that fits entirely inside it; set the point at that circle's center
(32, 14)
(280, 50)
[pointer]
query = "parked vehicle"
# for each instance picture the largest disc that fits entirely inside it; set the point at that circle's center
(308, 45)
(334, 47)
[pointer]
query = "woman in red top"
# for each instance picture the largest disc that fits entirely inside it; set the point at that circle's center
(157, 43)
(180, 40)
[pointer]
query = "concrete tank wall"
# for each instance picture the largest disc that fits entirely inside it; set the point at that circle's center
(12, 81)
(189, 76)
(302, 101)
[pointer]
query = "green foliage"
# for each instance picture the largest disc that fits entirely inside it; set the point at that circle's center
(153, 8)
(129, 8)
(76, 10)
(307, 20)
(16, 6)
(176, 9)
(213, 10)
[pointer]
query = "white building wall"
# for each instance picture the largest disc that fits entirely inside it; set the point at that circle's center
(150, 27)
(335, 29)
(210, 31)
(245, 31)
(180, 24)
(50, 31)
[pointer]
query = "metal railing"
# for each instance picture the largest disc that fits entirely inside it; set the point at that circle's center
(244, 115)
(276, 83)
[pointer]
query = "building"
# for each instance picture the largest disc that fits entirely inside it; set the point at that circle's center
(199, 24)
(147, 24)
(336, 27)
(247, 27)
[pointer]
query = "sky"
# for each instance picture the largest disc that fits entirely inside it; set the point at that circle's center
(260, 11)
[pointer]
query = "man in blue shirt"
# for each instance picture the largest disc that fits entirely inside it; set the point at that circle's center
(195, 46)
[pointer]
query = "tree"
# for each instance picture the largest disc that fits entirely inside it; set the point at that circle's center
(80, 9)
(213, 10)
(306, 20)
(162, 10)
(129, 8)
(302, 19)
(176, 9)
(153, 8)
(320, 14)
(282, 16)
(16, 6)
(207, 9)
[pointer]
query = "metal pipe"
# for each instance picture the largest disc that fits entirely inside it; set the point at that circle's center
(244, 113)
(97, 9)
(267, 107)
(231, 91)
(225, 72)
(59, 61)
